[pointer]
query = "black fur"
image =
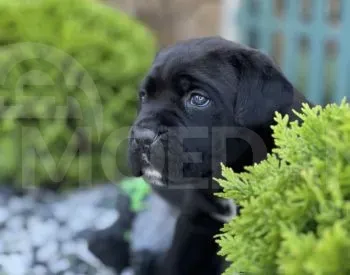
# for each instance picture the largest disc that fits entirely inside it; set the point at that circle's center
(246, 88)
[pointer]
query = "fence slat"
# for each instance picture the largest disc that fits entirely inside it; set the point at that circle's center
(246, 21)
(289, 55)
(265, 23)
(318, 30)
(343, 72)
(317, 39)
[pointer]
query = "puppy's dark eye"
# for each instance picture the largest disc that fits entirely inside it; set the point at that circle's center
(199, 100)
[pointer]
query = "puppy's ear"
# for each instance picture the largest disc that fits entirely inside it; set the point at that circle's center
(262, 89)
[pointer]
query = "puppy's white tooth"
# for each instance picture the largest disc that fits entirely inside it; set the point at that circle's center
(152, 173)
(152, 176)
(157, 183)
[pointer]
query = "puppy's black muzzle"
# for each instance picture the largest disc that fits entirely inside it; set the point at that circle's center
(144, 137)
(145, 149)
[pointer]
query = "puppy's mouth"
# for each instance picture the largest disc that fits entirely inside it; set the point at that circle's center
(149, 173)
(152, 176)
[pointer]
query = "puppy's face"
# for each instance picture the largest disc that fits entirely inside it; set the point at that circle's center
(202, 103)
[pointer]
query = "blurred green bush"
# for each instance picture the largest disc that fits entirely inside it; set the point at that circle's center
(296, 203)
(69, 72)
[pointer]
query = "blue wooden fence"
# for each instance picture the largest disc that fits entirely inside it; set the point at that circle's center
(310, 39)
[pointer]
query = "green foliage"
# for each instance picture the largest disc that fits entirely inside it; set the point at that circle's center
(69, 71)
(137, 190)
(295, 217)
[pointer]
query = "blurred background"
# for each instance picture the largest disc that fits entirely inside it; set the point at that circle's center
(307, 38)
(69, 72)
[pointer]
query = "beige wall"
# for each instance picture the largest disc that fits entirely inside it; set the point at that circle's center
(174, 20)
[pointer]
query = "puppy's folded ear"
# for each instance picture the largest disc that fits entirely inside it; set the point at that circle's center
(262, 89)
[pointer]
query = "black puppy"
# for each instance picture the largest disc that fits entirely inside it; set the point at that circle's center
(204, 102)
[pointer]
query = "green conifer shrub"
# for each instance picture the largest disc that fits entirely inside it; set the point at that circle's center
(69, 73)
(296, 203)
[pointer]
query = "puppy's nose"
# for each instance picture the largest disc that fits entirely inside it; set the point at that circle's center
(144, 136)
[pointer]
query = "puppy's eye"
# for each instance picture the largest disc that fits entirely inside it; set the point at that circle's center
(199, 100)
